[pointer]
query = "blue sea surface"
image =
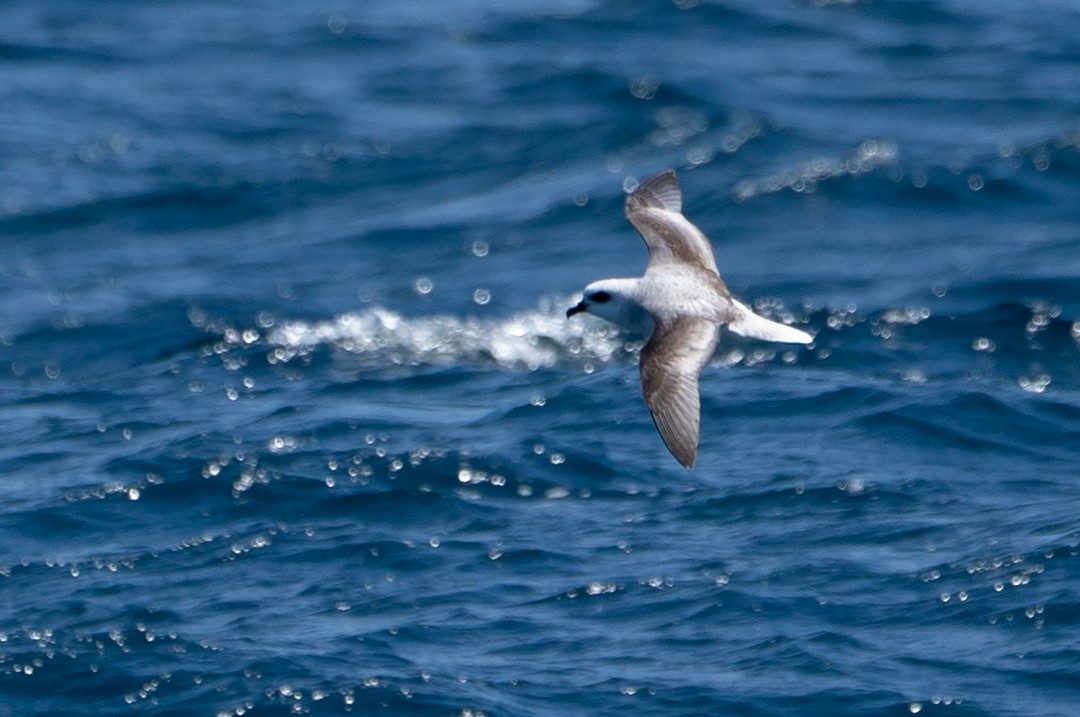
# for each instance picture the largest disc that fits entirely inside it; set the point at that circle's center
(294, 421)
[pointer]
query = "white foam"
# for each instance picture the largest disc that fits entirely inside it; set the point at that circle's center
(530, 340)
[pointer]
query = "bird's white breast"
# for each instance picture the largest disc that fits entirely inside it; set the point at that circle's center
(676, 290)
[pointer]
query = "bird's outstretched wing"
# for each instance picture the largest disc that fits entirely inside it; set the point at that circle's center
(655, 210)
(670, 364)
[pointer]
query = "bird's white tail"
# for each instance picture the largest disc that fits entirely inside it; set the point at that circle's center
(752, 326)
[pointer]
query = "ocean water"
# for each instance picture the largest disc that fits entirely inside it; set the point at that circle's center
(294, 422)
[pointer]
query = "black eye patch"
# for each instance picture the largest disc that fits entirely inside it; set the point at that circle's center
(601, 297)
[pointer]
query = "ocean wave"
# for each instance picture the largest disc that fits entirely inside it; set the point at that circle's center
(914, 342)
(869, 156)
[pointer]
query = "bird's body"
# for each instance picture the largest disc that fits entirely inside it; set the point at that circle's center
(673, 290)
(684, 302)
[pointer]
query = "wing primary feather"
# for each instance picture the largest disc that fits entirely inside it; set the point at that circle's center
(660, 191)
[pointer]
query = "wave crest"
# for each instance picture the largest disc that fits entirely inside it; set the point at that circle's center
(532, 339)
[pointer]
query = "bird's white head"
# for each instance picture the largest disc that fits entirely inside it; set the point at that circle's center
(616, 301)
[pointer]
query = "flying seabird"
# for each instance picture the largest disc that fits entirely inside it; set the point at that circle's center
(686, 302)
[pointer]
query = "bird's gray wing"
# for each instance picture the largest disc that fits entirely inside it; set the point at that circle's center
(670, 364)
(655, 210)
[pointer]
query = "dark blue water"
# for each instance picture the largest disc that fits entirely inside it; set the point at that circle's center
(294, 423)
